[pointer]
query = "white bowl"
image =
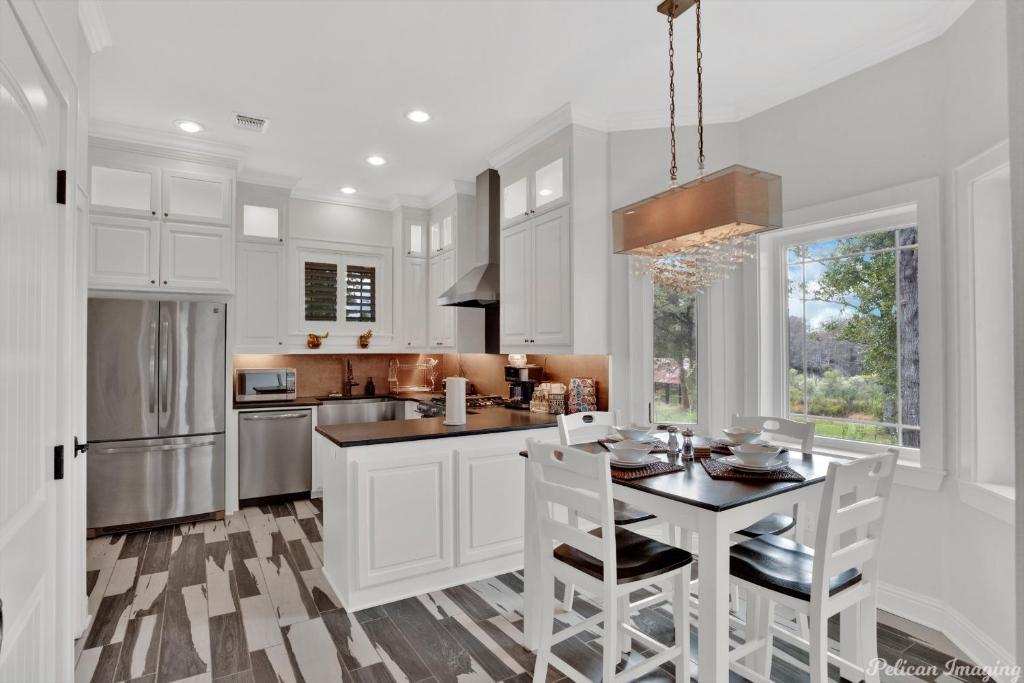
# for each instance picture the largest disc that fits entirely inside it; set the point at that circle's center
(755, 455)
(629, 451)
(743, 435)
(634, 432)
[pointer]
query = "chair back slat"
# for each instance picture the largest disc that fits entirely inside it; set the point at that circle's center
(564, 476)
(589, 426)
(801, 432)
(850, 521)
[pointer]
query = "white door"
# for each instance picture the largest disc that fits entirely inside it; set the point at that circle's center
(196, 258)
(258, 298)
(32, 287)
(414, 323)
(124, 253)
(197, 198)
(515, 288)
(552, 283)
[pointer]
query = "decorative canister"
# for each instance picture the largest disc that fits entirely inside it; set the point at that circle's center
(582, 396)
(556, 404)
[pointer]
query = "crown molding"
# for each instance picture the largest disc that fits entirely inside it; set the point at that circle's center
(408, 201)
(279, 180)
(450, 189)
(94, 25)
(566, 115)
(161, 143)
(375, 203)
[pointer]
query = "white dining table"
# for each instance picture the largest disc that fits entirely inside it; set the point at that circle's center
(714, 509)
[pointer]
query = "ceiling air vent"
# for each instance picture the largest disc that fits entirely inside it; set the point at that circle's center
(253, 123)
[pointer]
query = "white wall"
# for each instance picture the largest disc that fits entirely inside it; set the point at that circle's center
(336, 222)
(915, 116)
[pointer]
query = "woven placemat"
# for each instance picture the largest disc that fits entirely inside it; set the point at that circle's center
(720, 470)
(655, 468)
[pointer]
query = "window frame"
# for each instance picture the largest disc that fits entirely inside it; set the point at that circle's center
(914, 203)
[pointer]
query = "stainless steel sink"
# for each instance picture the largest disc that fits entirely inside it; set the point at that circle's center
(349, 410)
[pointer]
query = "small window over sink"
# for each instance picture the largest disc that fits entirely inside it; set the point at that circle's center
(361, 294)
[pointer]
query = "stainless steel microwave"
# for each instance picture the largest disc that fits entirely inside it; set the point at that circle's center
(264, 384)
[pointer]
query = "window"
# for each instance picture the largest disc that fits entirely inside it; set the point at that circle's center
(259, 221)
(321, 291)
(361, 294)
(853, 334)
(675, 356)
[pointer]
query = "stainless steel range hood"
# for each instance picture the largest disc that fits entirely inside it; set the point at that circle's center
(480, 287)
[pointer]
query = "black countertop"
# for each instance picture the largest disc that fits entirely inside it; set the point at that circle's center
(486, 421)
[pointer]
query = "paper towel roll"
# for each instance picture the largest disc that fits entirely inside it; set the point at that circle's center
(455, 401)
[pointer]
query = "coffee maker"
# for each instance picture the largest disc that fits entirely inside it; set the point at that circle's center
(520, 382)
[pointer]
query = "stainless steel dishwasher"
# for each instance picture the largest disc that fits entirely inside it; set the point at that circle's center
(275, 452)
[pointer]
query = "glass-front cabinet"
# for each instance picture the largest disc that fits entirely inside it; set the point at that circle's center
(129, 191)
(534, 184)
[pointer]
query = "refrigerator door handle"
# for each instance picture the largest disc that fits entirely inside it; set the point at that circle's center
(164, 447)
(164, 384)
(152, 366)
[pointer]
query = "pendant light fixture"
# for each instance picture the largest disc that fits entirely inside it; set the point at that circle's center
(692, 235)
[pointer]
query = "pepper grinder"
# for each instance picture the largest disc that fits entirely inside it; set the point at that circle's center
(673, 441)
(688, 443)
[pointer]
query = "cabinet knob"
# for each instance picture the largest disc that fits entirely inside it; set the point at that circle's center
(280, 343)
(165, 214)
(165, 282)
(152, 282)
(154, 213)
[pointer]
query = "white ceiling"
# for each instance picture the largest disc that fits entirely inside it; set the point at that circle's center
(336, 78)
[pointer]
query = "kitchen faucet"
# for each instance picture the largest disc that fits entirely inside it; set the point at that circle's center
(350, 380)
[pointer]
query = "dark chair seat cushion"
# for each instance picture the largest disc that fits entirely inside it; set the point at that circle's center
(638, 557)
(772, 524)
(627, 514)
(783, 566)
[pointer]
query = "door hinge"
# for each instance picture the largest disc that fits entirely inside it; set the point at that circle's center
(62, 187)
(80, 447)
(58, 461)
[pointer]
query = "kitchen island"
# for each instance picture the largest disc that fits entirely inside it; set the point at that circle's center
(413, 506)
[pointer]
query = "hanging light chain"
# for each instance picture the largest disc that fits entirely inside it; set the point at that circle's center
(700, 98)
(672, 171)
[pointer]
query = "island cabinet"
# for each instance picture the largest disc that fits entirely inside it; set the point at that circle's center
(556, 246)
(407, 518)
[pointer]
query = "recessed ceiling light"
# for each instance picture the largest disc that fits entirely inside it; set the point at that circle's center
(545, 192)
(189, 126)
(376, 160)
(348, 190)
(418, 116)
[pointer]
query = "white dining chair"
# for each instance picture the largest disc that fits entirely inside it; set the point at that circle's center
(840, 573)
(591, 426)
(609, 561)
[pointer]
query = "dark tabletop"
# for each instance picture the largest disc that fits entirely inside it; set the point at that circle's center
(485, 421)
(695, 487)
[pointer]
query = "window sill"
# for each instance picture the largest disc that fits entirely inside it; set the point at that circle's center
(910, 474)
(993, 499)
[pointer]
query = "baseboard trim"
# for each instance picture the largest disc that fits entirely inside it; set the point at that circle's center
(934, 614)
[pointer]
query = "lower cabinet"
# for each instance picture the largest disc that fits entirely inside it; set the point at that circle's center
(491, 486)
(404, 516)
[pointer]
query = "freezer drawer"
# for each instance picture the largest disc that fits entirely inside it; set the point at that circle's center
(275, 452)
(132, 482)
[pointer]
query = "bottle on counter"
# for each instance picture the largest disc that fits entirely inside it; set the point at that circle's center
(369, 389)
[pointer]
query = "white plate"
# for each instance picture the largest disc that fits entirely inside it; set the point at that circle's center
(629, 465)
(755, 442)
(780, 461)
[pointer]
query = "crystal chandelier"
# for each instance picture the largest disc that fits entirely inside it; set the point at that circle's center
(692, 235)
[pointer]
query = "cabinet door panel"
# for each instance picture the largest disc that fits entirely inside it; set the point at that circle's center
(404, 516)
(441, 318)
(552, 283)
(196, 257)
(515, 199)
(549, 184)
(131, 191)
(124, 253)
(516, 284)
(195, 198)
(258, 298)
(414, 309)
(491, 486)
(416, 239)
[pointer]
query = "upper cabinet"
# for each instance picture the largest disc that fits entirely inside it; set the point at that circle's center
(128, 190)
(259, 302)
(556, 246)
(442, 231)
(535, 182)
(124, 253)
(196, 198)
(415, 238)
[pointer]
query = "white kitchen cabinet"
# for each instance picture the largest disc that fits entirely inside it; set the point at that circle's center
(196, 258)
(124, 253)
(259, 327)
(536, 285)
(490, 506)
(441, 319)
(404, 515)
(197, 198)
(415, 238)
(535, 184)
(442, 234)
(414, 317)
(131, 190)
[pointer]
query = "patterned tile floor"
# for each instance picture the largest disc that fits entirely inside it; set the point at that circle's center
(245, 601)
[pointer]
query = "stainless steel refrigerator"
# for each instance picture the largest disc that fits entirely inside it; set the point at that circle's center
(155, 410)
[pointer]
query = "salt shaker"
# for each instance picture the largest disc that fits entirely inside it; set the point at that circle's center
(673, 440)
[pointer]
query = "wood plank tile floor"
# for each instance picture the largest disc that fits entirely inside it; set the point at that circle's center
(245, 601)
